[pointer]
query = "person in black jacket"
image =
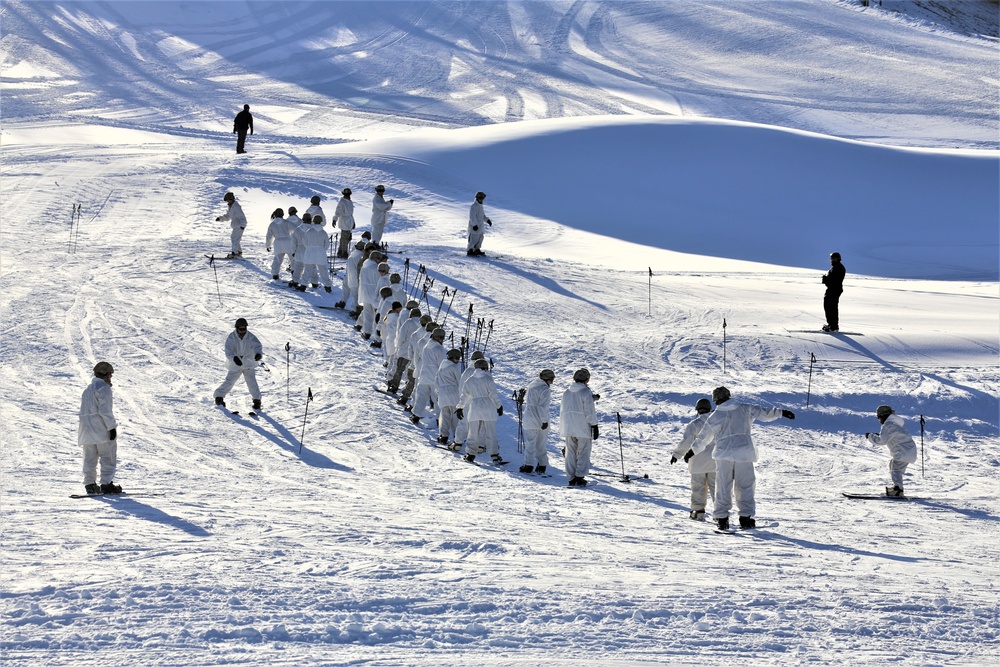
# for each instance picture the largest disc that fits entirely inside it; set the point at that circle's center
(834, 281)
(242, 123)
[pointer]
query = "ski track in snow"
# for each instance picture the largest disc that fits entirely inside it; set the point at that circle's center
(370, 546)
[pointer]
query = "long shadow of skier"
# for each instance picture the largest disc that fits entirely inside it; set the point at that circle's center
(974, 514)
(288, 442)
(770, 536)
(149, 513)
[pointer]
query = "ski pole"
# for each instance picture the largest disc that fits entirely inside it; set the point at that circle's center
(441, 304)
(921, 445)
(489, 333)
(331, 256)
(723, 345)
(211, 262)
(649, 311)
(309, 399)
(621, 447)
(812, 360)
(448, 309)
(288, 347)
(406, 271)
(518, 397)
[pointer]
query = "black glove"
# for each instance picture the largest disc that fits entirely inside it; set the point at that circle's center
(460, 413)
(689, 455)
(219, 219)
(113, 434)
(475, 228)
(237, 361)
(268, 248)
(545, 426)
(500, 411)
(378, 317)
(258, 357)
(673, 460)
(489, 222)
(788, 414)
(595, 431)
(866, 435)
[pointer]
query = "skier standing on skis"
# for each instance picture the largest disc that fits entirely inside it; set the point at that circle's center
(316, 209)
(578, 424)
(237, 221)
(243, 351)
(702, 466)
(98, 432)
(480, 404)
(537, 402)
(241, 124)
(834, 281)
(299, 241)
(728, 428)
(344, 217)
(314, 269)
(477, 225)
(368, 292)
(431, 356)
(462, 429)
(380, 207)
(447, 382)
(902, 449)
(279, 237)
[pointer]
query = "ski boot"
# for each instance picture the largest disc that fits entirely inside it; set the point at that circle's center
(698, 515)
(540, 470)
(470, 458)
(328, 289)
(93, 489)
(415, 419)
(497, 460)
(894, 492)
(274, 277)
(220, 401)
(747, 522)
(442, 440)
(723, 523)
(526, 469)
(256, 404)
(110, 487)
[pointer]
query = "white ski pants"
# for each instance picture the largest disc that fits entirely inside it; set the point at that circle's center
(702, 485)
(234, 238)
(315, 274)
(482, 437)
(249, 373)
(279, 258)
(578, 456)
(476, 239)
(896, 470)
(367, 319)
(378, 228)
(423, 395)
(447, 422)
(734, 477)
(534, 447)
(107, 453)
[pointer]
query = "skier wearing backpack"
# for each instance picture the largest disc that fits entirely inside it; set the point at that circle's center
(700, 467)
(98, 432)
(728, 428)
(902, 449)
(537, 402)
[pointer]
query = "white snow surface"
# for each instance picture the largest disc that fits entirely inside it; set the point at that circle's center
(725, 147)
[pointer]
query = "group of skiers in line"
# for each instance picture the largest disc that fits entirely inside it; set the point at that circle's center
(720, 454)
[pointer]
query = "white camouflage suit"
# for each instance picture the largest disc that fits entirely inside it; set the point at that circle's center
(97, 418)
(701, 466)
(314, 266)
(448, 378)
(479, 403)
(728, 428)
(431, 356)
(537, 402)
(380, 207)
(577, 417)
(902, 449)
(279, 239)
(238, 222)
(477, 225)
(246, 348)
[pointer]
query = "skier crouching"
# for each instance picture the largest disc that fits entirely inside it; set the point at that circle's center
(902, 449)
(728, 428)
(702, 466)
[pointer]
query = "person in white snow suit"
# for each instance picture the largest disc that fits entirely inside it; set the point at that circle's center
(243, 351)
(299, 240)
(418, 339)
(237, 222)
(349, 284)
(380, 207)
(702, 466)
(578, 424)
(902, 449)
(535, 422)
(368, 293)
(728, 429)
(98, 432)
(316, 209)
(480, 405)
(462, 430)
(431, 356)
(447, 383)
(344, 217)
(279, 237)
(314, 267)
(388, 327)
(408, 322)
(477, 225)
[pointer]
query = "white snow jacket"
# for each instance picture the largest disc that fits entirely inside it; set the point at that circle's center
(894, 436)
(387, 329)
(379, 209)
(431, 356)
(299, 240)
(415, 346)
(97, 415)
(234, 216)
(729, 429)
(279, 236)
(314, 239)
(317, 210)
(701, 462)
(368, 289)
(403, 337)
(477, 218)
(345, 214)
(479, 398)
(448, 379)
(537, 400)
(294, 222)
(245, 348)
(577, 412)
(352, 268)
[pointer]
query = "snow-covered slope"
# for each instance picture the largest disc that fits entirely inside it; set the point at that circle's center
(342, 536)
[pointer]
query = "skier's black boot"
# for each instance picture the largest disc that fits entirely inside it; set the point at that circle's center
(747, 522)
(698, 515)
(110, 487)
(540, 470)
(415, 419)
(93, 489)
(497, 459)
(256, 404)
(894, 491)
(442, 440)
(526, 469)
(723, 523)
(220, 401)
(470, 457)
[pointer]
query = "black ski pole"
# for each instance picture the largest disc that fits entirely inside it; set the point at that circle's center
(519, 402)
(288, 348)
(812, 360)
(441, 304)
(723, 345)
(331, 256)
(465, 339)
(211, 262)
(406, 271)
(921, 445)
(621, 448)
(480, 323)
(448, 309)
(649, 311)
(309, 399)
(489, 333)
